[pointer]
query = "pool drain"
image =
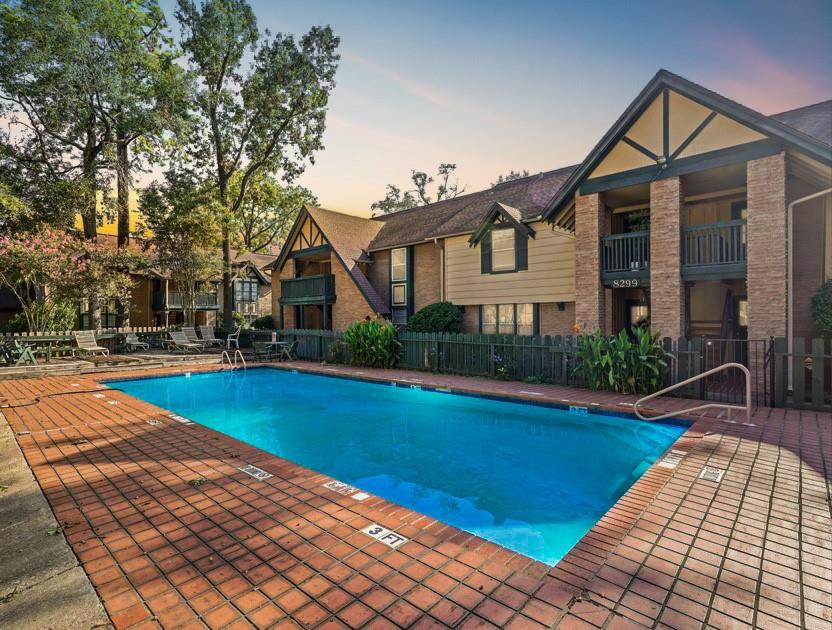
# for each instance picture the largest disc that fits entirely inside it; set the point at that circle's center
(709, 473)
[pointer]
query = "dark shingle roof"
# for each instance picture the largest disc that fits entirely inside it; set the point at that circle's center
(813, 120)
(463, 214)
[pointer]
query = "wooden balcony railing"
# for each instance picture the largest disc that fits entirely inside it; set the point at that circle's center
(308, 289)
(204, 301)
(625, 254)
(717, 247)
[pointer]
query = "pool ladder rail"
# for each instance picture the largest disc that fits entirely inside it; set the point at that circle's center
(715, 405)
(232, 366)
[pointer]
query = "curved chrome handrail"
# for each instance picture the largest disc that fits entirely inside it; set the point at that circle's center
(242, 359)
(692, 379)
(223, 358)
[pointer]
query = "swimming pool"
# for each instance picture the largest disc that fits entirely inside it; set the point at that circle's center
(532, 478)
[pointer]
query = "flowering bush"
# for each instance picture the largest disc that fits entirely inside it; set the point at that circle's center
(48, 269)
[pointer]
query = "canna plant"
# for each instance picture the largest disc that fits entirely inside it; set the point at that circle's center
(622, 363)
(372, 343)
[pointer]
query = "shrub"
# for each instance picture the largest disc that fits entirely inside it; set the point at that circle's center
(439, 317)
(822, 310)
(263, 323)
(59, 316)
(372, 343)
(238, 319)
(620, 363)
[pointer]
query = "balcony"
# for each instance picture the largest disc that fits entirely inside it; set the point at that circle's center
(714, 250)
(308, 290)
(206, 301)
(625, 258)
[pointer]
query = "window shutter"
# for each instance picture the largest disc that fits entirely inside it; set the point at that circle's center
(485, 253)
(521, 250)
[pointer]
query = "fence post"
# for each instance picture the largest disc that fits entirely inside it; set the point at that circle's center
(780, 375)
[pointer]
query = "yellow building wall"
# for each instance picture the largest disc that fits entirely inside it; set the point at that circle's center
(549, 278)
(109, 225)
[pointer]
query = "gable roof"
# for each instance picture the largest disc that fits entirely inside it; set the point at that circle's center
(801, 136)
(510, 215)
(813, 120)
(528, 196)
(348, 236)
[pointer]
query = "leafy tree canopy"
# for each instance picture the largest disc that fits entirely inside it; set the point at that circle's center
(397, 199)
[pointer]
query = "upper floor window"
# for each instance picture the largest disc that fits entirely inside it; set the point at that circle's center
(245, 290)
(398, 264)
(503, 257)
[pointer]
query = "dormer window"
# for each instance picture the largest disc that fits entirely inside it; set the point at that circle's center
(503, 257)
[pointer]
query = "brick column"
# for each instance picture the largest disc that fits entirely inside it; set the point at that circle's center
(590, 226)
(667, 290)
(766, 239)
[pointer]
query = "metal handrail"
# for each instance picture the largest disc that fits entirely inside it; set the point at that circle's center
(223, 358)
(242, 358)
(233, 366)
(693, 379)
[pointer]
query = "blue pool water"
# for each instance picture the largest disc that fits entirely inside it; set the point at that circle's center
(530, 477)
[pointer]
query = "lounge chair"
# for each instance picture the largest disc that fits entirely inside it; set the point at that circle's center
(16, 353)
(233, 338)
(87, 343)
(190, 335)
(133, 343)
(178, 341)
(208, 337)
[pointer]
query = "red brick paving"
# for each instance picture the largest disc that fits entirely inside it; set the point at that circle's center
(233, 552)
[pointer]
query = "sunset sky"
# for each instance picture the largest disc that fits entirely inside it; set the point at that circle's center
(495, 86)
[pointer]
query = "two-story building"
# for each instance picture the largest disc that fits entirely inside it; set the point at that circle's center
(693, 213)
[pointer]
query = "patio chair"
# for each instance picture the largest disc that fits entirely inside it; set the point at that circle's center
(190, 335)
(87, 343)
(262, 349)
(289, 352)
(208, 337)
(16, 353)
(233, 338)
(178, 341)
(133, 343)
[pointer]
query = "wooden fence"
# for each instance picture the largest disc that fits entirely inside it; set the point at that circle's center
(803, 377)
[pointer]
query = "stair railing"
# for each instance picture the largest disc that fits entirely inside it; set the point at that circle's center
(715, 405)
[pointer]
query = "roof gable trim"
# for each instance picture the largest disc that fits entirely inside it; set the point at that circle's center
(508, 214)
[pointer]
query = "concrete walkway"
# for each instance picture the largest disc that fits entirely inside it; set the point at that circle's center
(41, 583)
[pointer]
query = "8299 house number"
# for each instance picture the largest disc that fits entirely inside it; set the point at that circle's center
(625, 284)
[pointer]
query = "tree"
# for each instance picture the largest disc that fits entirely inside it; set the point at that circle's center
(396, 199)
(48, 270)
(266, 115)
(268, 210)
(183, 216)
(502, 179)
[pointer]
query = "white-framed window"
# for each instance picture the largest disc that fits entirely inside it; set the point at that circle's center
(507, 319)
(398, 264)
(488, 324)
(525, 319)
(503, 257)
(399, 294)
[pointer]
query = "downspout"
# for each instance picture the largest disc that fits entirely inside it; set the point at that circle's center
(790, 236)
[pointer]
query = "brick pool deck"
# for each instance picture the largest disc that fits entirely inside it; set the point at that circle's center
(172, 535)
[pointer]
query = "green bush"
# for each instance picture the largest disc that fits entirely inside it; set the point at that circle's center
(822, 310)
(620, 363)
(372, 343)
(64, 316)
(238, 319)
(440, 317)
(263, 323)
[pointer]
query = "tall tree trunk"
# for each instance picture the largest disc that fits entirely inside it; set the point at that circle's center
(89, 214)
(123, 202)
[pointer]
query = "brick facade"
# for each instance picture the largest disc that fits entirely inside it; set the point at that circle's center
(667, 289)
(554, 321)
(590, 226)
(767, 272)
(350, 305)
(288, 271)
(379, 273)
(427, 275)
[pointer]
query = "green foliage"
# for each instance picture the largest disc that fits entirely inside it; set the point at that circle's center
(620, 363)
(439, 317)
(59, 317)
(266, 322)
(822, 310)
(372, 343)
(268, 210)
(238, 319)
